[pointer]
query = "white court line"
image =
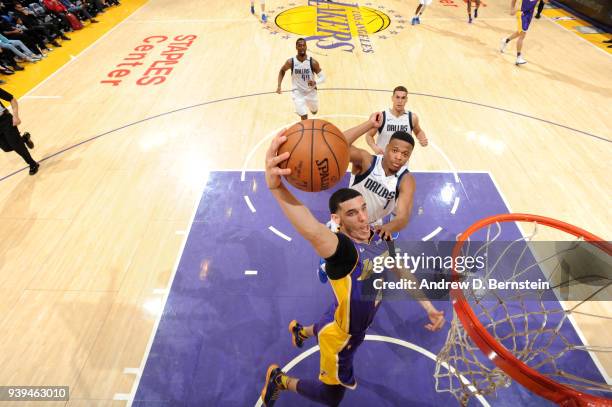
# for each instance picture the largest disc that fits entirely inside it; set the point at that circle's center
(387, 339)
(131, 370)
(570, 317)
(432, 234)
(455, 205)
(578, 36)
(164, 300)
(279, 233)
(122, 397)
(89, 47)
(199, 20)
(448, 161)
(250, 272)
(249, 204)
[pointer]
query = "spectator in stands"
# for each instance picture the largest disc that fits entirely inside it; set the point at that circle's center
(7, 60)
(29, 20)
(79, 11)
(31, 40)
(19, 49)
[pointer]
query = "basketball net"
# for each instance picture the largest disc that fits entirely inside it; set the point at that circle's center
(525, 336)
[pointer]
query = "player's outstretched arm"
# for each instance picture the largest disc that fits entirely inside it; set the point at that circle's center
(360, 160)
(323, 240)
(418, 131)
(370, 140)
(372, 123)
(403, 208)
(281, 74)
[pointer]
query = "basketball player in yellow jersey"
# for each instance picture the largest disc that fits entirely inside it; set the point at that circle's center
(524, 16)
(263, 9)
(348, 255)
(304, 85)
(396, 119)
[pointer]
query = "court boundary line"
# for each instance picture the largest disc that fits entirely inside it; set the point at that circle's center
(166, 295)
(575, 34)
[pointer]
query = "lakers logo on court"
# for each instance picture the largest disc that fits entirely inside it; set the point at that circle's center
(348, 27)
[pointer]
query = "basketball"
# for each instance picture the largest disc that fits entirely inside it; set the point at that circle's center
(319, 155)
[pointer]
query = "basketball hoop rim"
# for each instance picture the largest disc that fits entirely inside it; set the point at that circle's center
(493, 349)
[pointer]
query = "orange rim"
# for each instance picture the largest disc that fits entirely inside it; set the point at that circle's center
(495, 351)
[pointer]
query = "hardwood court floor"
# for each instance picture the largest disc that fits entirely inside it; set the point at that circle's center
(87, 246)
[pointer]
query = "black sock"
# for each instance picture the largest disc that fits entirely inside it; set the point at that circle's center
(507, 40)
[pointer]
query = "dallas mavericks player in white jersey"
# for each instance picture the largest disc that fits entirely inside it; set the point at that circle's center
(396, 119)
(384, 180)
(304, 85)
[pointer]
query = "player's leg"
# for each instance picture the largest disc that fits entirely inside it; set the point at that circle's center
(15, 142)
(526, 18)
(540, 9)
(469, 10)
(515, 34)
(277, 381)
(476, 9)
(417, 13)
(506, 40)
(312, 101)
(252, 6)
(519, 48)
(299, 100)
(264, 18)
(420, 13)
(300, 333)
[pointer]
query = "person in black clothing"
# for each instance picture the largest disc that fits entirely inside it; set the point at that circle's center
(540, 8)
(10, 138)
(34, 43)
(7, 60)
(29, 20)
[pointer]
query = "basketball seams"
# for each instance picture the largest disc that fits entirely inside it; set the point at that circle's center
(312, 157)
(338, 134)
(292, 150)
(333, 154)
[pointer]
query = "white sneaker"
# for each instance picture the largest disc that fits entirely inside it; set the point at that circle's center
(502, 47)
(520, 61)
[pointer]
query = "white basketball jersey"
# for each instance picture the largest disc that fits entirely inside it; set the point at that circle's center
(301, 73)
(391, 124)
(379, 190)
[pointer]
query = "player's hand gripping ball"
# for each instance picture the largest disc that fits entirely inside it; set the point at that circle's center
(318, 155)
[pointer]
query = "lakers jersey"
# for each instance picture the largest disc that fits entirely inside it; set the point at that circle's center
(301, 73)
(391, 124)
(379, 190)
(355, 304)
